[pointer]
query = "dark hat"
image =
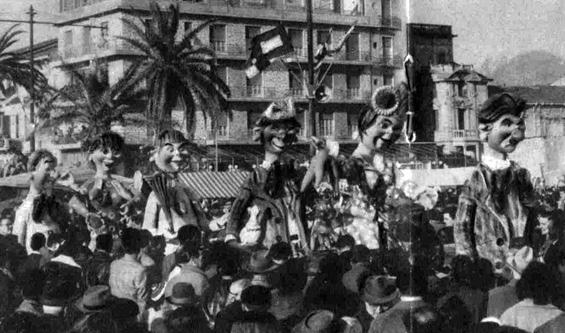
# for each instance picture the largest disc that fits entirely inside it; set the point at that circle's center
(182, 294)
(257, 296)
(352, 278)
(123, 308)
(499, 105)
(95, 299)
(379, 290)
(260, 262)
(58, 292)
(280, 251)
(318, 321)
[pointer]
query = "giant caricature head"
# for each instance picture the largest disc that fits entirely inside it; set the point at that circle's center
(380, 124)
(42, 165)
(277, 128)
(105, 152)
(501, 124)
(171, 151)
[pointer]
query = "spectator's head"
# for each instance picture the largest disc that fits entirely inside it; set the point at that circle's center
(100, 322)
(379, 294)
(182, 295)
(188, 233)
(538, 283)
(544, 221)
(124, 311)
(280, 252)
(104, 242)
(236, 288)
(22, 322)
(6, 225)
(32, 284)
(37, 241)
(485, 275)
(55, 242)
(456, 316)
(360, 254)
(412, 281)
(422, 320)
(318, 321)
(464, 270)
(344, 243)
(256, 298)
(185, 319)
(131, 241)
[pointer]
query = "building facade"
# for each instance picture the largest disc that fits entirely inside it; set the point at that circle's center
(372, 56)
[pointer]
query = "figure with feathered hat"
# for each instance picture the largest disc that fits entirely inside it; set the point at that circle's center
(366, 178)
(171, 204)
(268, 208)
(495, 209)
(107, 202)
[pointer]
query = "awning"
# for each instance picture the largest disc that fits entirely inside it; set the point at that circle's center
(211, 184)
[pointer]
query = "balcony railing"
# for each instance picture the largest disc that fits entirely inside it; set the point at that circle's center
(465, 133)
(222, 133)
(218, 45)
(352, 93)
(297, 92)
(254, 91)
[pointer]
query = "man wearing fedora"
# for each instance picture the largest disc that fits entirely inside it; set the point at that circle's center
(182, 296)
(255, 301)
(378, 295)
(261, 264)
(503, 297)
(318, 321)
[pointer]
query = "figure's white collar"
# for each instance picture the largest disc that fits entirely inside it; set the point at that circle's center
(495, 163)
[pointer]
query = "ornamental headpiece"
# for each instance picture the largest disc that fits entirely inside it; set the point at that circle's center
(386, 101)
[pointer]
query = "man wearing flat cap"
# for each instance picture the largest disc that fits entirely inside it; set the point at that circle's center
(494, 209)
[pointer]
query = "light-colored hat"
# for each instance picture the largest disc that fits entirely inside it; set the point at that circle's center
(520, 260)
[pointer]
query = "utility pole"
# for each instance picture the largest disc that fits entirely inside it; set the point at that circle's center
(311, 101)
(31, 13)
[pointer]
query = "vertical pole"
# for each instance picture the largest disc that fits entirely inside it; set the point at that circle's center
(311, 101)
(32, 81)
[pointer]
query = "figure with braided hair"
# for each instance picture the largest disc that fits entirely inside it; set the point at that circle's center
(495, 209)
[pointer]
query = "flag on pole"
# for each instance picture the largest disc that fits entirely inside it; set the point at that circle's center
(267, 47)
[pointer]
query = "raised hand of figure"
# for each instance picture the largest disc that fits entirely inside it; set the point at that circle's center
(324, 151)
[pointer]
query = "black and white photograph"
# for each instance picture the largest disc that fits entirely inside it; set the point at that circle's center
(282, 166)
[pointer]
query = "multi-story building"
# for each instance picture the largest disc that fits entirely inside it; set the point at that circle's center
(372, 55)
(458, 93)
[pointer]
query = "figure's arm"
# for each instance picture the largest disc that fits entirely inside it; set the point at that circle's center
(151, 217)
(464, 226)
(238, 209)
(19, 228)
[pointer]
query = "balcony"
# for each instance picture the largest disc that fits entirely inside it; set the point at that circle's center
(222, 133)
(254, 91)
(218, 46)
(352, 93)
(456, 135)
(297, 92)
(390, 22)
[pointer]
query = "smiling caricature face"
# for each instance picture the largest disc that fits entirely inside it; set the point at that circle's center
(278, 137)
(382, 133)
(104, 159)
(171, 157)
(506, 133)
(44, 172)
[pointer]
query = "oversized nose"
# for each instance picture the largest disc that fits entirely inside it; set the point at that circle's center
(518, 133)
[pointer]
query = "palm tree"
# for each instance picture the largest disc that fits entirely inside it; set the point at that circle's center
(94, 104)
(12, 66)
(183, 71)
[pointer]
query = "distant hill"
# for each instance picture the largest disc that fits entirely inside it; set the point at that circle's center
(527, 69)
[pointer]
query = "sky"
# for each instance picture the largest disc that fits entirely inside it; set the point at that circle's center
(496, 28)
(16, 10)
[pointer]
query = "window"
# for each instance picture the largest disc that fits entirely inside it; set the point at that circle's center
(221, 125)
(250, 32)
(462, 89)
(324, 36)
(222, 73)
(386, 9)
(187, 26)
(148, 23)
(296, 39)
(326, 124)
(352, 47)
(461, 113)
(388, 80)
(295, 82)
(353, 84)
(255, 86)
(323, 5)
(387, 47)
(86, 40)
(68, 41)
(352, 121)
(104, 30)
(218, 37)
